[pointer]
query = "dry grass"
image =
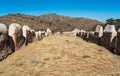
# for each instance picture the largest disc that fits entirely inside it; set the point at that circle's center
(61, 55)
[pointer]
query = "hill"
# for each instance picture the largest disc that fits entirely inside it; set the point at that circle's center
(61, 55)
(53, 21)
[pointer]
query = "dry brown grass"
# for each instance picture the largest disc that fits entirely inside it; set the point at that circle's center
(61, 55)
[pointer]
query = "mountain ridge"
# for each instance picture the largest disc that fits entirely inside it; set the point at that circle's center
(52, 21)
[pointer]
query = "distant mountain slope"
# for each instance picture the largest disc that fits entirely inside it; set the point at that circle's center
(53, 21)
(61, 55)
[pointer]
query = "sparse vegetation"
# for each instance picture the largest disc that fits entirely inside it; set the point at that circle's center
(53, 21)
(86, 56)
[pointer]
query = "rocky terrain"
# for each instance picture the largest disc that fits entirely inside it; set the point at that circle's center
(53, 21)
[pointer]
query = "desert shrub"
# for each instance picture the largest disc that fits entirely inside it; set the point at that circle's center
(86, 56)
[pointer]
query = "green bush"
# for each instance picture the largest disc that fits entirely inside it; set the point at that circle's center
(86, 56)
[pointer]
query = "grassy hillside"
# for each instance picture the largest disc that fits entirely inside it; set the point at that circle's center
(53, 21)
(61, 55)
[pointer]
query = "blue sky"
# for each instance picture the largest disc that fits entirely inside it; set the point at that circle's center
(95, 9)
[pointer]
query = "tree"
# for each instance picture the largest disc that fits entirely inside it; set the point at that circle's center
(118, 22)
(111, 21)
(115, 22)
